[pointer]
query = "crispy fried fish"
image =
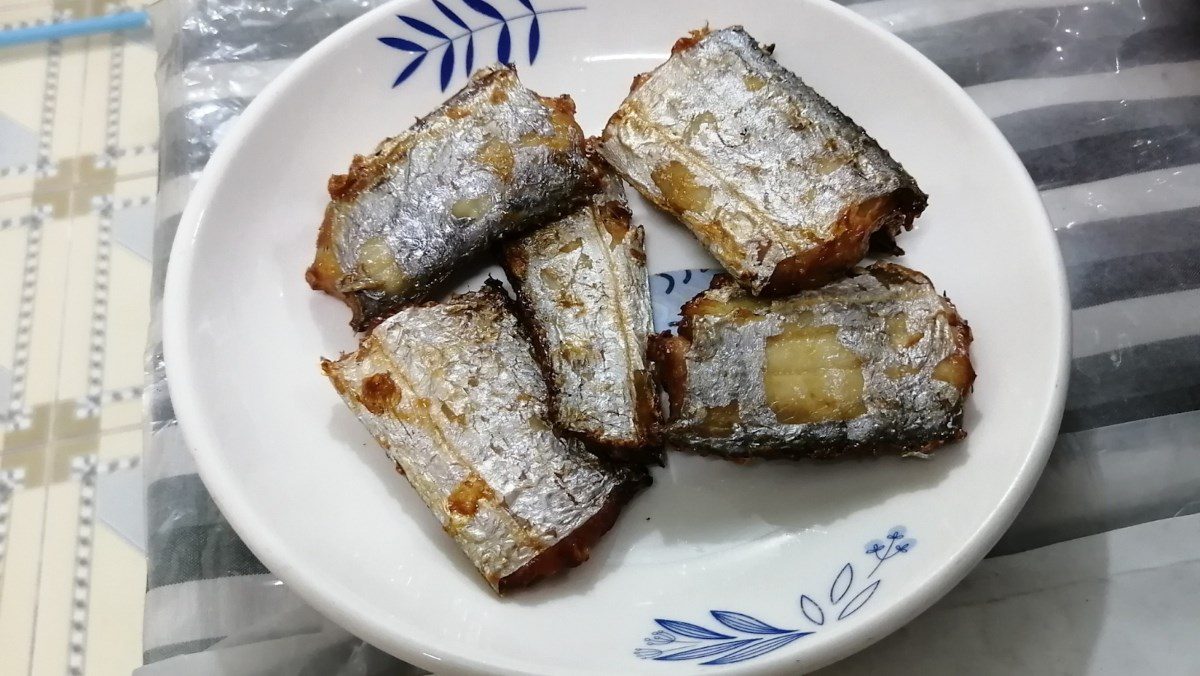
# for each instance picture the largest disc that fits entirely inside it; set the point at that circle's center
(582, 289)
(453, 393)
(874, 363)
(784, 190)
(494, 160)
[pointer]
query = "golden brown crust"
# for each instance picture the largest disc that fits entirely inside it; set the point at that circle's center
(325, 274)
(647, 417)
(692, 308)
(379, 393)
(688, 41)
(964, 368)
(638, 81)
(576, 547)
(669, 354)
(872, 223)
(894, 273)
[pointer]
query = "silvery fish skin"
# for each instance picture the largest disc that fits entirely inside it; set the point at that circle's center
(452, 392)
(582, 288)
(494, 160)
(877, 362)
(780, 186)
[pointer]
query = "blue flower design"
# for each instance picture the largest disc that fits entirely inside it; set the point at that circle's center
(743, 637)
(444, 40)
(660, 638)
(897, 544)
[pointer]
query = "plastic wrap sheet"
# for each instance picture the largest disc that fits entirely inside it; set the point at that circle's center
(1101, 99)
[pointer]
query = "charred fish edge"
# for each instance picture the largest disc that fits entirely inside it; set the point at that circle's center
(369, 306)
(671, 356)
(373, 404)
(870, 224)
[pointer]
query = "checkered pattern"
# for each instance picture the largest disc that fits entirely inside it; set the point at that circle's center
(53, 56)
(10, 482)
(95, 386)
(17, 415)
(85, 470)
(74, 293)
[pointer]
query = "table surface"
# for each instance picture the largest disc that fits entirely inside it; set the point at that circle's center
(78, 164)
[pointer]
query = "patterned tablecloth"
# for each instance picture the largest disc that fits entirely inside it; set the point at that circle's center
(1101, 99)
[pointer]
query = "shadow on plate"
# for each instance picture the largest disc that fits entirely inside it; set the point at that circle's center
(701, 506)
(343, 425)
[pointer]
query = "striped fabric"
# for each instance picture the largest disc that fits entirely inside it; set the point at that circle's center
(1101, 99)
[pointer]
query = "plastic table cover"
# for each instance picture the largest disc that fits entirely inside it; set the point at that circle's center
(1101, 99)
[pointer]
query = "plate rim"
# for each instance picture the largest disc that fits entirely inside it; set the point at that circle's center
(271, 552)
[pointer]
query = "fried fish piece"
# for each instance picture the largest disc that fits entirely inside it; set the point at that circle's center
(452, 392)
(582, 290)
(780, 186)
(874, 363)
(494, 160)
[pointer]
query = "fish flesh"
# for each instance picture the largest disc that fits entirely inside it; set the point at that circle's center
(452, 392)
(496, 159)
(582, 290)
(877, 362)
(781, 187)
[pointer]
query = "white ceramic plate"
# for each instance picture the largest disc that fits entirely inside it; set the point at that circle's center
(776, 558)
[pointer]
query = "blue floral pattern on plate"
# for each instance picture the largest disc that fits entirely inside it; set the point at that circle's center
(743, 637)
(421, 31)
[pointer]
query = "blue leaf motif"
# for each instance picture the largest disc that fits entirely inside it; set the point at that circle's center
(752, 637)
(706, 651)
(812, 610)
(745, 623)
(859, 600)
(504, 46)
(484, 9)
(469, 61)
(447, 65)
(528, 5)
(402, 44)
(689, 630)
(409, 69)
(535, 39)
(450, 14)
(841, 584)
(423, 27)
(762, 647)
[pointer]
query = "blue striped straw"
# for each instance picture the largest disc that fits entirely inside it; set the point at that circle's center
(70, 29)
